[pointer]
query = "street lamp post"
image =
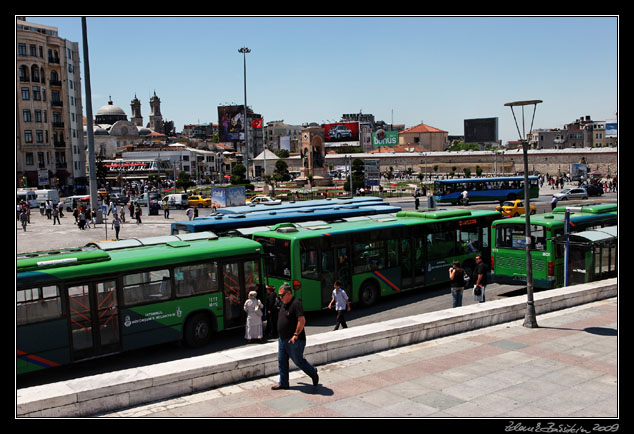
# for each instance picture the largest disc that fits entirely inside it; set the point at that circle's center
(530, 319)
(244, 51)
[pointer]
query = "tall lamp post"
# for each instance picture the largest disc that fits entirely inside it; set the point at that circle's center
(244, 51)
(530, 319)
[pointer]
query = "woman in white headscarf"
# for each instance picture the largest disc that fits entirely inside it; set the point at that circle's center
(254, 309)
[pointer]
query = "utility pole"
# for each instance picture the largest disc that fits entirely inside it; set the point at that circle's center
(92, 167)
(530, 319)
(245, 125)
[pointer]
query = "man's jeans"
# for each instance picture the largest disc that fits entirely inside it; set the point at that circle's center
(295, 352)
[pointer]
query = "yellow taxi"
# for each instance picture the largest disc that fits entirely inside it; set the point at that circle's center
(198, 201)
(513, 208)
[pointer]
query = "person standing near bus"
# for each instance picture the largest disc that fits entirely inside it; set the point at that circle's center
(292, 338)
(457, 283)
(342, 304)
(479, 279)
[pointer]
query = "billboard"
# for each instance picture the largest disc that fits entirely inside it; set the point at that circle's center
(231, 123)
(341, 132)
(385, 138)
(481, 130)
(611, 129)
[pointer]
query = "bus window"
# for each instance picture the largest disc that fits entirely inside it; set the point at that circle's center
(512, 236)
(195, 279)
(441, 244)
(369, 256)
(38, 304)
(148, 286)
(469, 240)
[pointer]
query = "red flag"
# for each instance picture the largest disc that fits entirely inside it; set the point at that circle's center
(257, 123)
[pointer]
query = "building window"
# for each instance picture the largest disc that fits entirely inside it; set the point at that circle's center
(21, 49)
(25, 94)
(28, 157)
(39, 136)
(28, 136)
(36, 93)
(26, 115)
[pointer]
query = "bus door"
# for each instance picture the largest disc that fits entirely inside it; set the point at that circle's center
(239, 278)
(420, 259)
(406, 260)
(335, 265)
(94, 318)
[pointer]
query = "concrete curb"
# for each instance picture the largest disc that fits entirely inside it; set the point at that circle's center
(89, 396)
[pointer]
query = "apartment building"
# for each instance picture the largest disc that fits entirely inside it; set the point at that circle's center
(49, 123)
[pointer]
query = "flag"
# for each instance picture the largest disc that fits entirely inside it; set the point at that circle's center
(257, 123)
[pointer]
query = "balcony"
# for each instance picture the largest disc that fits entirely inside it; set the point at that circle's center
(56, 103)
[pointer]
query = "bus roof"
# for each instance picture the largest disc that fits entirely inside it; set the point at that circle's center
(271, 217)
(108, 257)
(494, 179)
(403, 218)
(297, 204)
(556, 218)
(597, 235)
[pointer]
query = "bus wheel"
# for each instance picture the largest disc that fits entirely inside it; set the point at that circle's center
(368, 294)
(198, 330)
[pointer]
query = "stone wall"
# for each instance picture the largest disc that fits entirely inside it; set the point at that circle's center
(553, 162)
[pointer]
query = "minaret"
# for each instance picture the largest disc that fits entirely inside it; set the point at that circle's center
(137, 119)
(156, 120)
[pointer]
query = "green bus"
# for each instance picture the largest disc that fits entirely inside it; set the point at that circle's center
(508, 255)
(373, 256)
(109, 297)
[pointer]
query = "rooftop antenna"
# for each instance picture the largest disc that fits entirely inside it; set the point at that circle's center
(530, 319)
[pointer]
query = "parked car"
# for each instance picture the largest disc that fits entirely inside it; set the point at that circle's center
(199, 201)
(593, 190)
(266, 200)
(119, 198)
(572, 193)
(514, 208)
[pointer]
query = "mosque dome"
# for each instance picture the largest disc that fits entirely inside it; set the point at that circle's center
(109, 114)
(144, 131)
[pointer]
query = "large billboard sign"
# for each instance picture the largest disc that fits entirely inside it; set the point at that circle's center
(611, 129)
(481, 130)
(341, 132)
(231, 123)
(385, 138)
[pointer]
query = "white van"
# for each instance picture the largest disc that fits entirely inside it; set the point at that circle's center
(28, 196)
(44, 195)
(177, 200)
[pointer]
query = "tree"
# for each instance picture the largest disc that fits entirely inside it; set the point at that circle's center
(238, 174)
(358, 175)
(281, 171)
(184, 180)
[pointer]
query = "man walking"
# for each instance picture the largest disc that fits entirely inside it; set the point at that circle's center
(292, 338)
(342, 304)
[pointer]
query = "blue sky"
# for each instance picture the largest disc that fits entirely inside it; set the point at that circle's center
(438, 70)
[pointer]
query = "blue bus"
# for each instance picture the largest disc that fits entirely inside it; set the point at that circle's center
(230, 223)
(484, 189)
(299, 204)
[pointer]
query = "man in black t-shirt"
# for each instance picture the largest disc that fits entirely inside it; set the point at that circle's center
(479, 278)
(292, 338)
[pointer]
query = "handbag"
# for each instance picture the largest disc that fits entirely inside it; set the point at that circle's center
(257, 310)
(477, 290)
